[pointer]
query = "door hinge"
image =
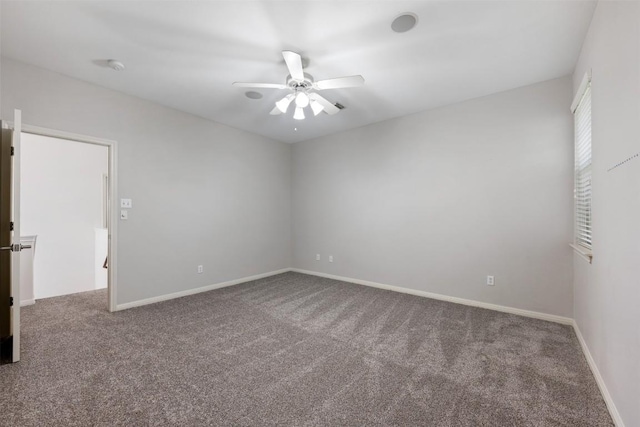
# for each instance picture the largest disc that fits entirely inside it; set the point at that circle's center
(11, 226)
(13, 150)
(10, 301)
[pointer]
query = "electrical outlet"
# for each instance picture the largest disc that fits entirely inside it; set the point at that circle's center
(317, 257)
(126, 203)
(200, 269)
(330, 258)
(490, 281)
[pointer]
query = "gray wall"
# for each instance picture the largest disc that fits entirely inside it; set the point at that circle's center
(607, 292)
(485, 184)
(203, 193)
(438, 200)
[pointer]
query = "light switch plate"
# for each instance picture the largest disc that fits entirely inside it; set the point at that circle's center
(124, 214)
(126, 203)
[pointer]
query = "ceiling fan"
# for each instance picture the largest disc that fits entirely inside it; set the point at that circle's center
(302, 89)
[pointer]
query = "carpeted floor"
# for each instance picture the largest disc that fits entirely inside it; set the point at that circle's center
(294, 350)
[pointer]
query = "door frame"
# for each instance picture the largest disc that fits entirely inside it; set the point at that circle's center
(112, 239)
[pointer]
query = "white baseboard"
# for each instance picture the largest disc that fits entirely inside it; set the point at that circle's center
(167, 297)
(26, 302)
(473, 303)
(615, 415)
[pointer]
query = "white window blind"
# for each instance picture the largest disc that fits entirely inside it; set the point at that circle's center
(582, 188)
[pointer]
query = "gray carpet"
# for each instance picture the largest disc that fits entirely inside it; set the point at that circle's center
(295, 350)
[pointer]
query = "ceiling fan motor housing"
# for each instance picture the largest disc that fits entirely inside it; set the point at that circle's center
(304, 89)
(297, 85)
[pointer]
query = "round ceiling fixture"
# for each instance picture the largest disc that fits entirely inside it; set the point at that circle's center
(115, 65)
(404, 22)
(253, 95)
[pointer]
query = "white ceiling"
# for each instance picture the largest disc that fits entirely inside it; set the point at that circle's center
(185, 55)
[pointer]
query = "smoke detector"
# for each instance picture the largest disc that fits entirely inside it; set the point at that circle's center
(115, 65)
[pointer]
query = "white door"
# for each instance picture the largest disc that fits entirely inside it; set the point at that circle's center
(10, 246)
(15, 262)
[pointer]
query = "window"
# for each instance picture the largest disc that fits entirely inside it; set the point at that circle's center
(582, 186)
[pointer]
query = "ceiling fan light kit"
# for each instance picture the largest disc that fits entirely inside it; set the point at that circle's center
(303, 89)
(299, 114)
(283, 104)
(302, 99)
(316, 107)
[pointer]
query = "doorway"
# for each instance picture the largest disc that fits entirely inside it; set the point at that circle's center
(64, 188)
(68, 212)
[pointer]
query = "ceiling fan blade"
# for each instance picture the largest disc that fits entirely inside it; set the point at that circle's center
(260, 85)
(276, 111)
(294, 64)
(340, 82)
(329, 108)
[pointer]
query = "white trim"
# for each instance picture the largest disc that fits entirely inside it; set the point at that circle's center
(456, 300)
(26, 302)
(112, 274)
(586, 79)
(112, 268)
(188, 292)
(584, 253)
(613, 411)
(61, 134)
